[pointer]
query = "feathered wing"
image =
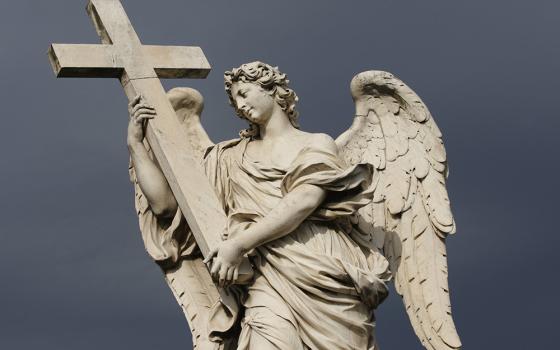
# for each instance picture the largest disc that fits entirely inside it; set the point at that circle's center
(410, 216)
(173, 246)
(188, 104)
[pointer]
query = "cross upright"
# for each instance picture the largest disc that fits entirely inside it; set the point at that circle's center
(139, 68)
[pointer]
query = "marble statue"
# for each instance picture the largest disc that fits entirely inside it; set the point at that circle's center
(280, 239)
(324, 222)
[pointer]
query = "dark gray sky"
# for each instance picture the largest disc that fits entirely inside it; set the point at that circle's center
(73, 267)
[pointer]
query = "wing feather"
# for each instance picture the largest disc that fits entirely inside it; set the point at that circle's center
(410, 212)
(188, 104)
(195, 292)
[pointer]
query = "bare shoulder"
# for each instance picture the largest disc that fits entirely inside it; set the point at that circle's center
(321, 140)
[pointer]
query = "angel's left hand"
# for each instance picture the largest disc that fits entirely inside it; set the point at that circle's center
(225, 260)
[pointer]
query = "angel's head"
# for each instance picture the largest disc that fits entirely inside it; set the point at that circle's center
(254, 89)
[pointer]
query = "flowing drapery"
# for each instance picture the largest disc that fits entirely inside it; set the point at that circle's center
(317, 279)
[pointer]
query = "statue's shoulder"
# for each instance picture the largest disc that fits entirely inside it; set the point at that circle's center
(321, 141)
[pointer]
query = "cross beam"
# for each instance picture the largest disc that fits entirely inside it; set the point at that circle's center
(104, 61)
(138, 67)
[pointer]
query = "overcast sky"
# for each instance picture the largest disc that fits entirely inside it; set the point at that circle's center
(74, 271)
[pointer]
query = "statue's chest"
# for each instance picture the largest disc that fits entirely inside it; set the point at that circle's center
(272, 159)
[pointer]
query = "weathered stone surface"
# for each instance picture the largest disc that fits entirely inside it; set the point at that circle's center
(324, 222)
(123, 56)
(105, 61)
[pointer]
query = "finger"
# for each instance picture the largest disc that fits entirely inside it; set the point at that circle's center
(229, 276)
(143, 117)
(142, 106)
(222, 275)
(215, 268)
(139, 119)
(212, 253)
(135, 100)
(235, 274)
(144, 111)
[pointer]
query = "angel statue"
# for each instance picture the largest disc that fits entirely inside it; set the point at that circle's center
(325, 224)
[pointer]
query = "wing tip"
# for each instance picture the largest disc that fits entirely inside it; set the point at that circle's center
(186, 97)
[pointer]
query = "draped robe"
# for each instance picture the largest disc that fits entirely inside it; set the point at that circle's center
(314, 288)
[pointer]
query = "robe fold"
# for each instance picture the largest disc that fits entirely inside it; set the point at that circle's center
(316, 286)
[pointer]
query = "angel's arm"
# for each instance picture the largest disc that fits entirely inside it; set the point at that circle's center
(151, 180)
(290, 212)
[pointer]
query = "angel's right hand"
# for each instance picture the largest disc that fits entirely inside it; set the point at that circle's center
(140, 112)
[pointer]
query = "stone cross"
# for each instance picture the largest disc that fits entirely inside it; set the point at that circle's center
(139, 68)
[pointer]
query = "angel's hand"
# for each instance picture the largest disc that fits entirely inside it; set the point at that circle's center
(140, 112)
(225, 260)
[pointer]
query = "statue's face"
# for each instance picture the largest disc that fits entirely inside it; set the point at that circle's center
(254, 103)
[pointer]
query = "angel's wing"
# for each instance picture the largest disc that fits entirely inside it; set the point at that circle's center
(410, 215)
(188, 104)
(188, 278)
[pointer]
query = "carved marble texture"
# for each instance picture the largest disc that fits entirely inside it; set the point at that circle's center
(280, 239)
(382, 205)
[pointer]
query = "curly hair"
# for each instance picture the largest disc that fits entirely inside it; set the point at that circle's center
(274, 82)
